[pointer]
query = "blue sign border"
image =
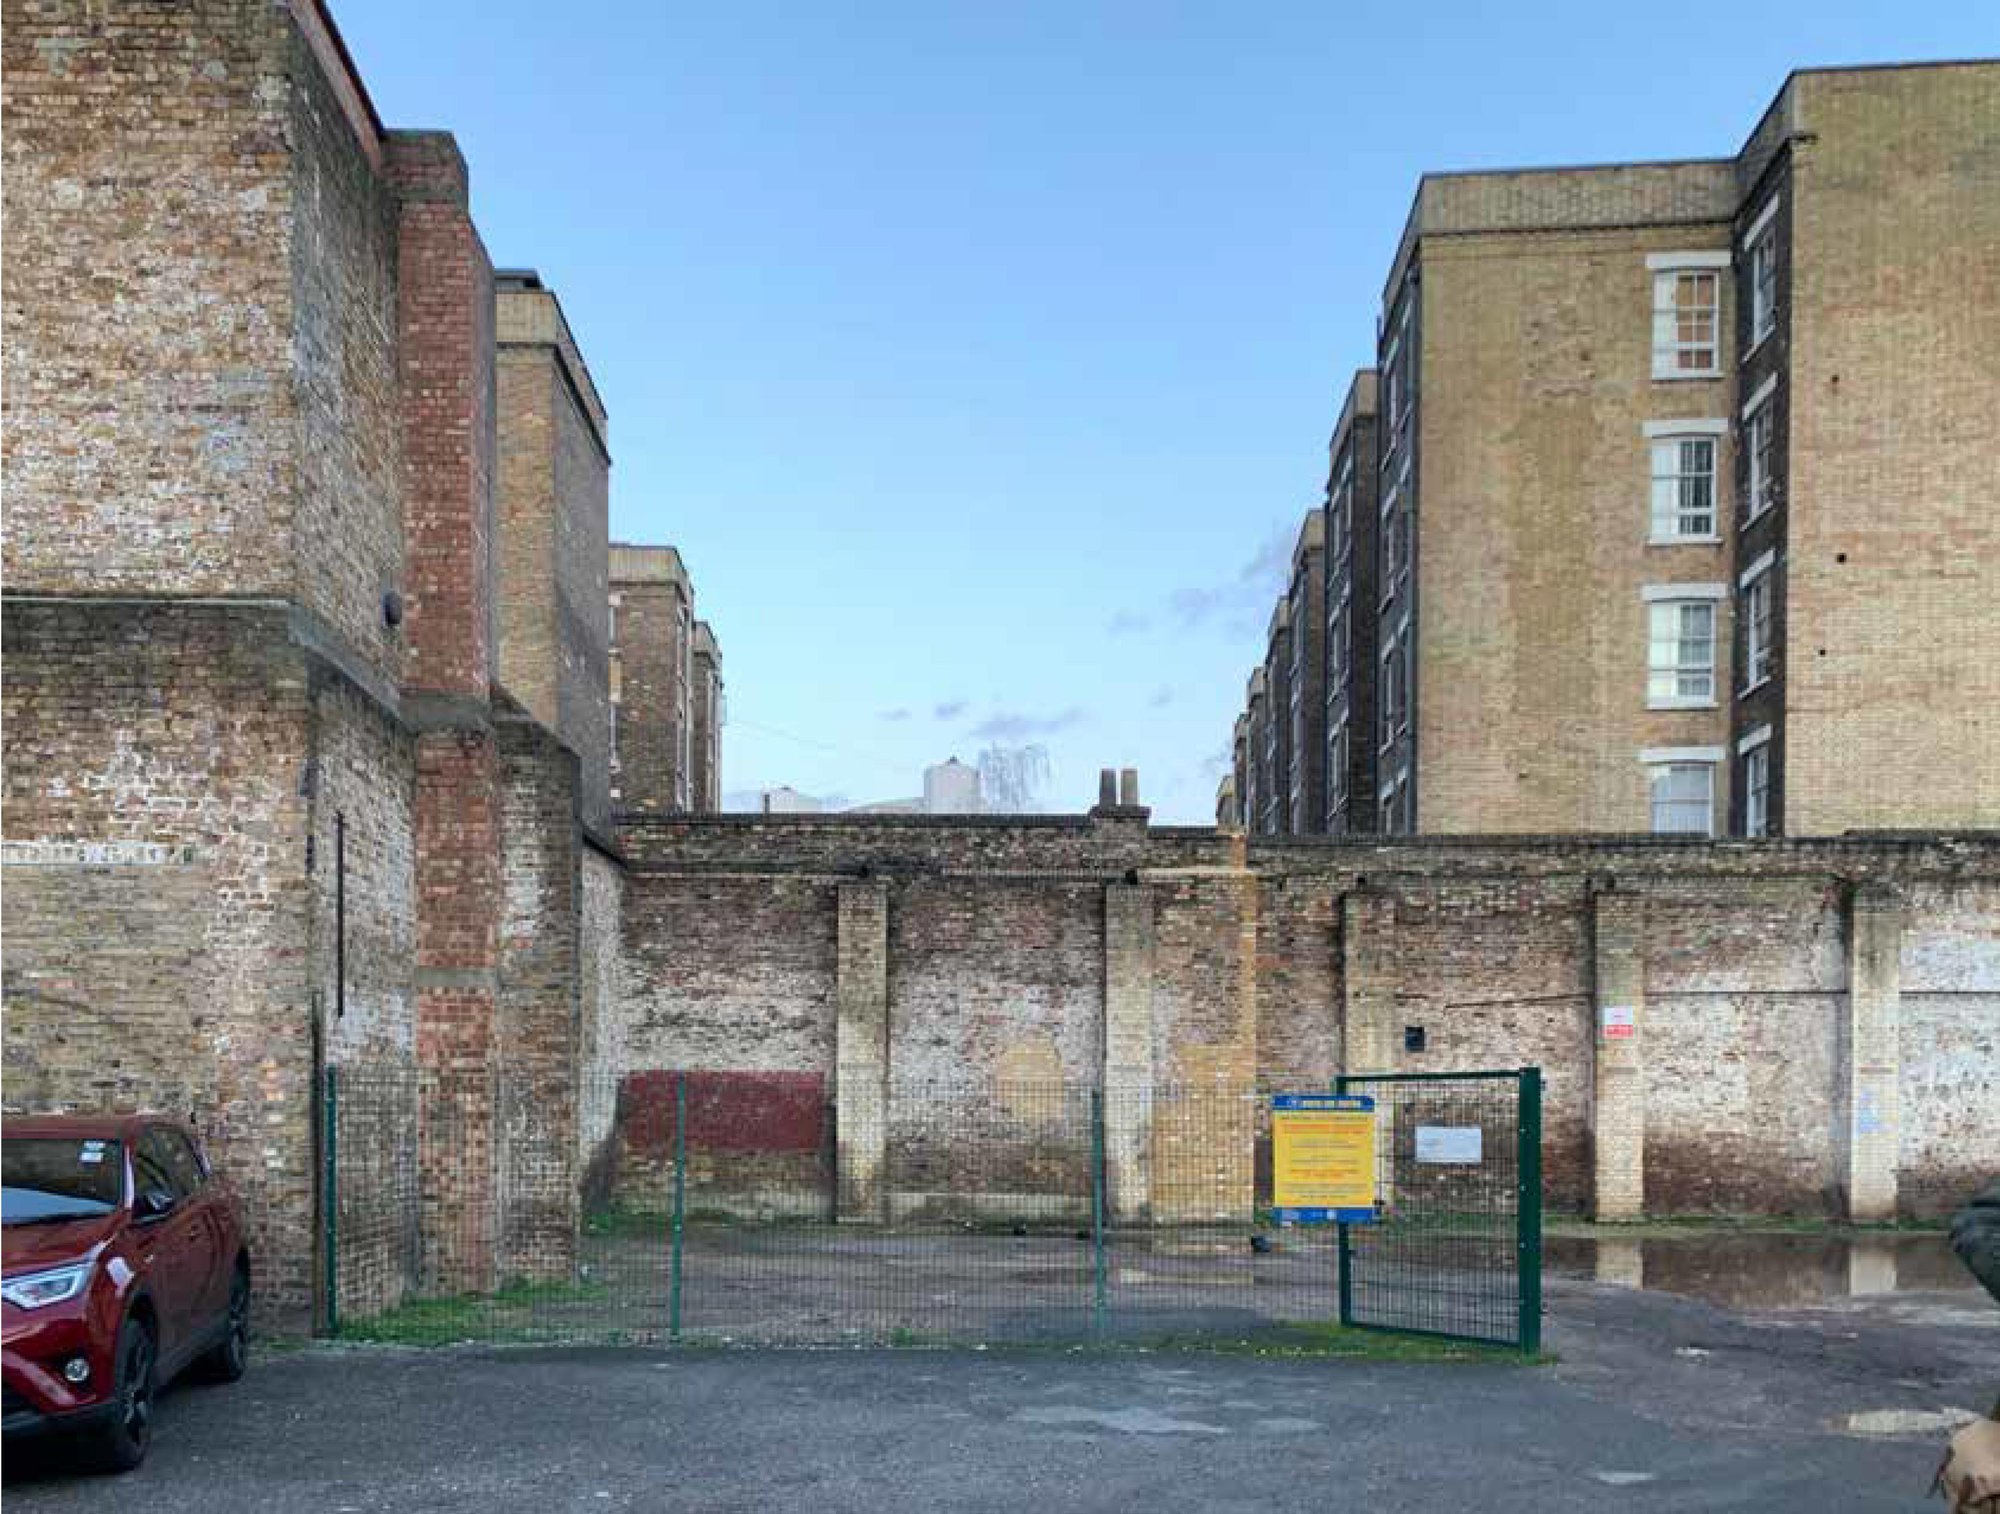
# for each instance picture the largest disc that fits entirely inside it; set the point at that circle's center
(1351, 1103)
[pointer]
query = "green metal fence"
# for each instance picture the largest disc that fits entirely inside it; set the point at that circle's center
(747, 1209)
(1456, 1249)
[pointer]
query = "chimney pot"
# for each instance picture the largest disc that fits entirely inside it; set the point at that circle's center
(1107, 788)
(1128, 788)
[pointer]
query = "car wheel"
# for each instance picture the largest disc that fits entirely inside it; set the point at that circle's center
(226, 1363)
(122, 1444)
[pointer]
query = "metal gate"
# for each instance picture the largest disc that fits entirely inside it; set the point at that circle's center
(1456, 1246)
(662, 1206)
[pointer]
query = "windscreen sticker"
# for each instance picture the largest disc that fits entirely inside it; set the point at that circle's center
(93, 1151)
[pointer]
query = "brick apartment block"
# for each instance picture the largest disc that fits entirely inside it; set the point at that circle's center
(706, 739)
(1351, 535)
(1686, 484)
(652, 681)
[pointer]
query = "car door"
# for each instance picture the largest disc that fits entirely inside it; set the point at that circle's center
(203, 1202)
(172, 1249)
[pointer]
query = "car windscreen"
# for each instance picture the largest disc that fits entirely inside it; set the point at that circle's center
(48, 1178)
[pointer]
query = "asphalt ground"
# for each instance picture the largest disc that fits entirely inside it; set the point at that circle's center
(1657, 1403)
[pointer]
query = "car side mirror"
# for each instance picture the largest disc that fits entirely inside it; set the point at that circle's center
(155, 1204)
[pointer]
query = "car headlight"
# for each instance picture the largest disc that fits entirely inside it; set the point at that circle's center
(36, 1290)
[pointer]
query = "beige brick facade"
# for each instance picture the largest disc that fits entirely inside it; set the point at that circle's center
(652, 680)
(553, 513)
(1892, 692)
(1688, 503)
(1534, 391)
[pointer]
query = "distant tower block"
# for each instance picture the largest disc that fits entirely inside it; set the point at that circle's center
(952, 788)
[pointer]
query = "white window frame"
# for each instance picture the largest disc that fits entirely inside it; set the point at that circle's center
(1759, 438)
(1754, 750)
(1665, 441)
(1392, 563)
(1668, 344)
(1760, 251)
(1336, 777)
(1661, 763)
(1660, 598)
(1755, 587)
(1387, 718)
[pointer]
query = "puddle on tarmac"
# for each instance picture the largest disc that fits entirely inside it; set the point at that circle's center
(1764, 1269)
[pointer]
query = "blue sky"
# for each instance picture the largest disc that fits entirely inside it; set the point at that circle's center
(980, 357)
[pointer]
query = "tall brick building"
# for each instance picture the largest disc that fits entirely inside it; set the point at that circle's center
(1351, 537)
(554, 513)
(1686, 482)
(304, 579)
(706, 740)
(652, 681)
(1305, 682)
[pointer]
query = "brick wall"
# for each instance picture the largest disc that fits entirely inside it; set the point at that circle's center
(446, 368)
(651, 670)
(197, 985)
(348, 550)
(1893, 561)
(539, 1007)
(1314, 959)
(150, 416)
(553, 502)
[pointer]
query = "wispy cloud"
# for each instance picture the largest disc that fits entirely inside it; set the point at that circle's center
(1247, 592)
(950, 709)
(894, 715)
(1012, 725)
(1237, 603)
(1162, 697)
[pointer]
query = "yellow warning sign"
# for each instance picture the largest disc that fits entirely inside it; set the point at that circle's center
(1323, 1158)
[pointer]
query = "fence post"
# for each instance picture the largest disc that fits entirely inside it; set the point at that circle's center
(680, 1203)
(1528, 1208)
(1346, 1255)
(1097, 1209)
(330, 1196)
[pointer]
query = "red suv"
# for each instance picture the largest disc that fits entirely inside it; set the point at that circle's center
(124, 1263)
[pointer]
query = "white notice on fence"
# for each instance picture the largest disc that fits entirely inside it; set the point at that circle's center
(1448, 1143)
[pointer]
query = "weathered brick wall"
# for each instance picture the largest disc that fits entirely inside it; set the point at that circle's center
(150, 442)
(601, 1050)
(525, 515)
(348, 535)
(757, 1143)
(1950, 1043)
(582, 590)
(553, 513)
(724, 973)
(363, 783)
(182, 986)
(1745, 982)
(890, 842)
(1893, 561)
(444, 288)
(539, 1007)
(1312, 960)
